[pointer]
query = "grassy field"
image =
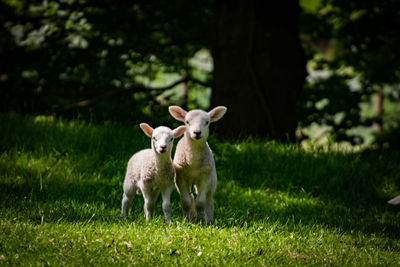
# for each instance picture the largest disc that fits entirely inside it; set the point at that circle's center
(276, 204)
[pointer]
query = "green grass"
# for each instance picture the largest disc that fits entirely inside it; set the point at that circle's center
(276, 204)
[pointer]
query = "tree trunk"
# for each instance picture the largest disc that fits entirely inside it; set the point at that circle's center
(259, 67)
(377, 101)
(185, 90)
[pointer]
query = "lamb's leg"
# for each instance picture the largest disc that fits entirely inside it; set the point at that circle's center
(166, 204)
(127, 197)
(209, 209)
(149, 201)
(129, 188)
(185, 196)
(200, 204)
(193, 214)
(186, 204)
(126, 204)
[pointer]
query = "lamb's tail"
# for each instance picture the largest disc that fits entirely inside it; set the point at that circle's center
(395, 201)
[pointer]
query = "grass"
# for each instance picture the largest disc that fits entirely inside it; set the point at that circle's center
(276, 204)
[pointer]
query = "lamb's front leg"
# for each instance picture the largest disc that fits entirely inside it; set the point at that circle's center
(185, 195)
(187, 202)
(200, 204)
(166, 204)
(209, 209)
(149, 202)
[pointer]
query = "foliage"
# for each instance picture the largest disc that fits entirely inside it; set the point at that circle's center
(59, 52)
(352, 48)
(55, 53)
(61, 186)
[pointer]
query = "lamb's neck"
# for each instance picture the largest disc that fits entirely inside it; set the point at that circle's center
(163, 159)
(195, 145)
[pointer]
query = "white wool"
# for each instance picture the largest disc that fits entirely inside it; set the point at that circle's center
(395, 201)
(194, 163)
(151, 172)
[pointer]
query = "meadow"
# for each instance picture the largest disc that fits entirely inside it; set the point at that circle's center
(276, 204)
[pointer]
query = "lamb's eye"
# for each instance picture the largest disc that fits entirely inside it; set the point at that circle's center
(207, 122)
(187, 122)
(155, 139)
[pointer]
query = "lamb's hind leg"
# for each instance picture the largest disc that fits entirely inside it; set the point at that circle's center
(129, 188)
(126, 204)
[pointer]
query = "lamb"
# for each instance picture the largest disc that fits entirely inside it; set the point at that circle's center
(194, 163)
(151, 171)
(395, 201)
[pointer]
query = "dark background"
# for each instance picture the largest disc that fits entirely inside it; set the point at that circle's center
(318, 70)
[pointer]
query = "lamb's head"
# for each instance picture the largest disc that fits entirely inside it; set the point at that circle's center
(197, 121)
(162, 138)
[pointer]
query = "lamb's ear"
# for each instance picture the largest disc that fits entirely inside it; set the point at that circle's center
(147, 129)
(179, 131)
(217, 113)
(177, 112)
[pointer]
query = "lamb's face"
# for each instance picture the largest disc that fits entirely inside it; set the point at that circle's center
(197, 123)
(162, 139)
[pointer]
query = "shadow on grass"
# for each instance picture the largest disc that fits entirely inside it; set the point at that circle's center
(74, 197)
(275, 182)
(78, 203)
(351, 178)
(250, 206)
(82, 169)
(236, 205)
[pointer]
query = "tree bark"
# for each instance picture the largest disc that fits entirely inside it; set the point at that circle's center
(377, 101)
(259, 67)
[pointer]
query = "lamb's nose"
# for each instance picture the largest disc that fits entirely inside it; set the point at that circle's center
(163, 148)
(197, 134)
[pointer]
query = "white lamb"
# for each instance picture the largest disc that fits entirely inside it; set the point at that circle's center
(150, 171)
(194, 162)
(395, 201)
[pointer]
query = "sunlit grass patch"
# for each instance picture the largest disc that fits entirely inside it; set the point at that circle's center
(276, 204)
(181, 243)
